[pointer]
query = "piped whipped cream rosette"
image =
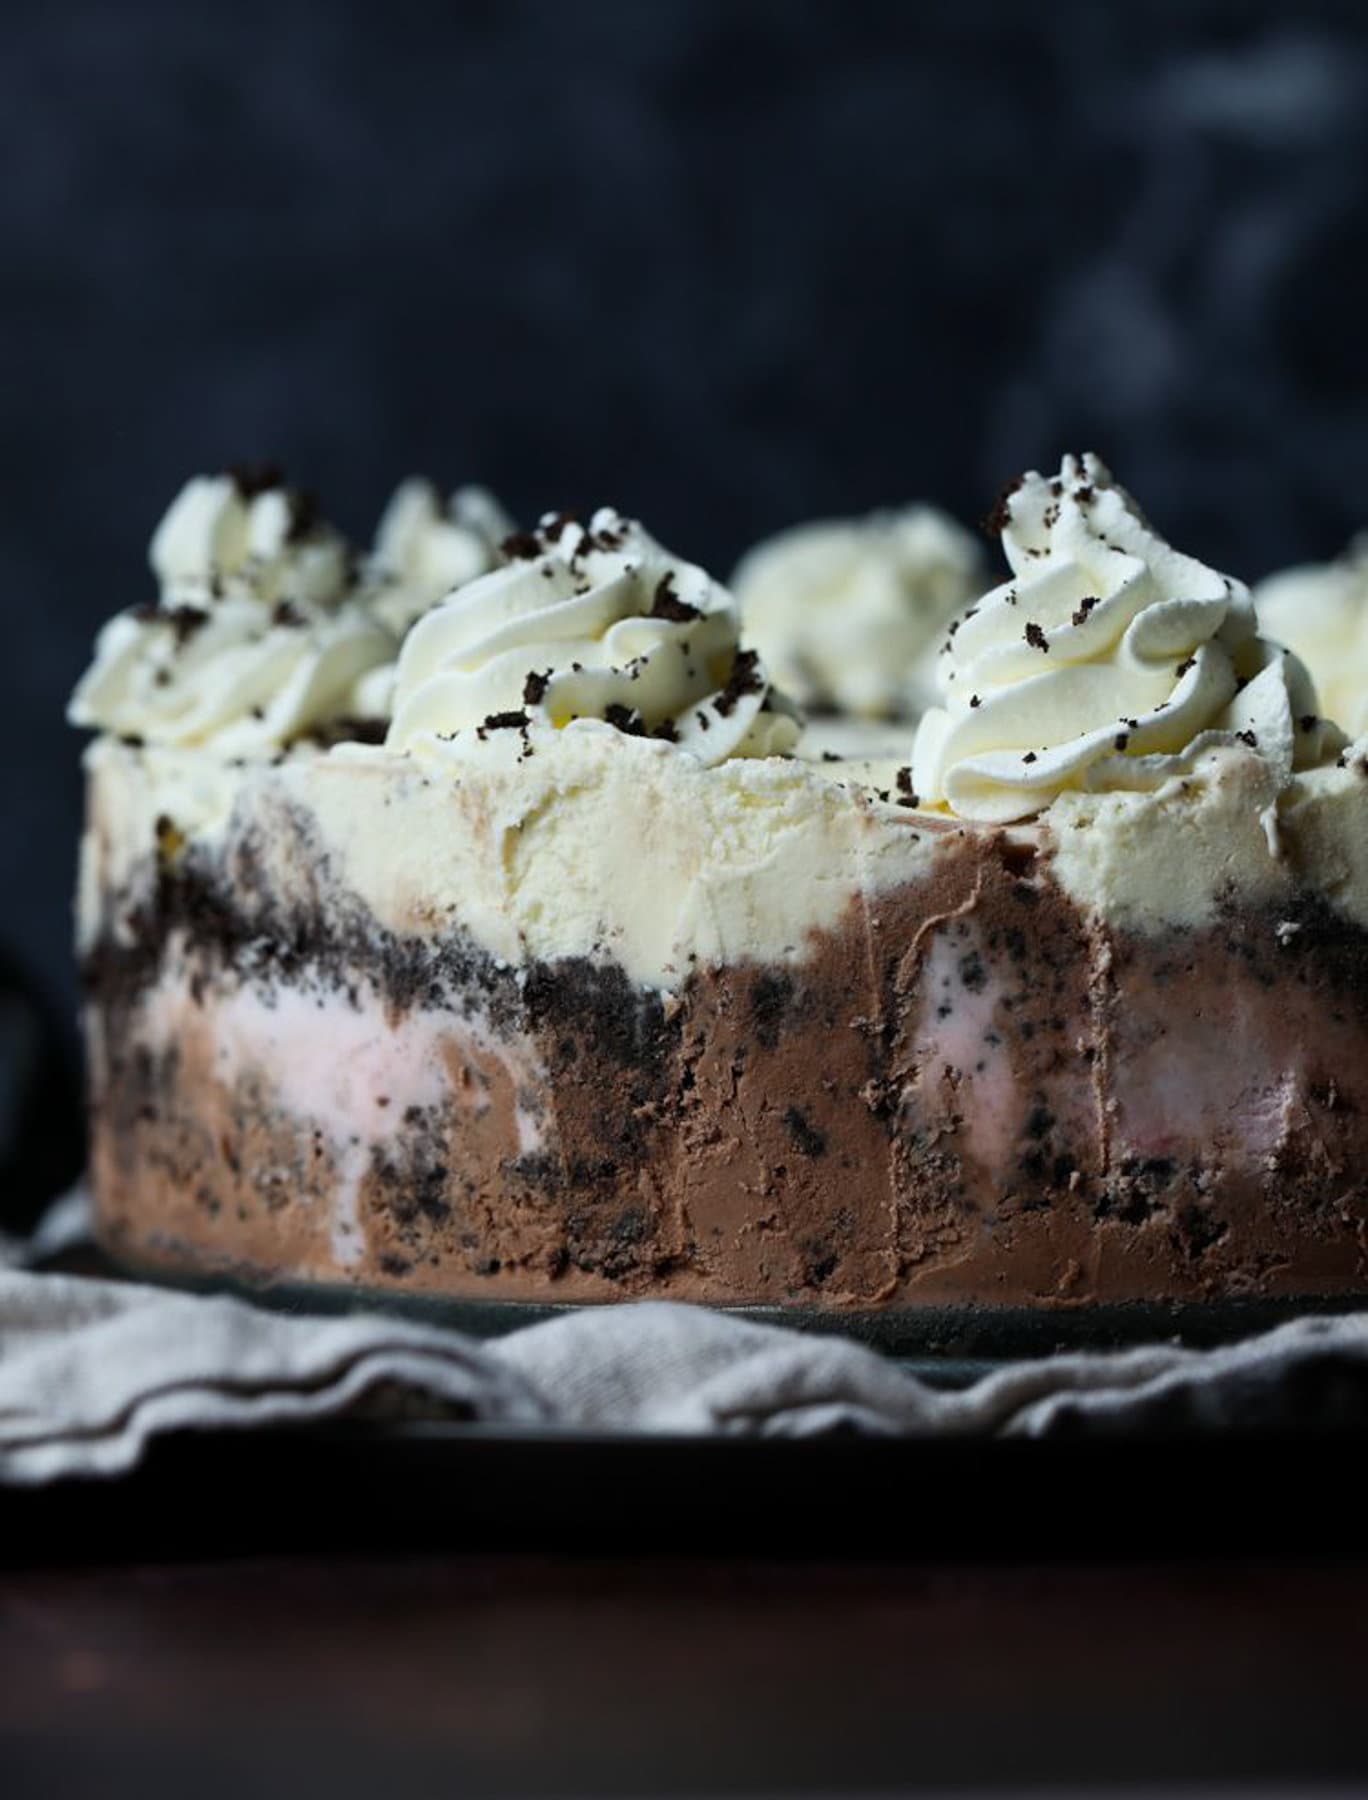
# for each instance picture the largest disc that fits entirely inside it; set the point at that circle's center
(1321, 613)
(425, 546)
(1107, 661)
(848, 613)
(590, 625)
(258, 636)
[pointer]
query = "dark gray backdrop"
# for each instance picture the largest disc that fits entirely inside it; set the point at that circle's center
(723, 264)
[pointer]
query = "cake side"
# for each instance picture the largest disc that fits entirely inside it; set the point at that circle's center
(956, 1084)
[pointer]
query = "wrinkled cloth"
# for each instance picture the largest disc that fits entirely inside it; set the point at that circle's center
(91, 1371)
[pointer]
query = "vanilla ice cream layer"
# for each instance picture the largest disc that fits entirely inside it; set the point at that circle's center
(585, 842)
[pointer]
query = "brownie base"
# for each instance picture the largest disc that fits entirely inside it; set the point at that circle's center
(969, 1094)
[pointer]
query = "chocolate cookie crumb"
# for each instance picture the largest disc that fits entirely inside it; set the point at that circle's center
(185, 621)
(625, 719)
(808, 1138)
(251, 479)
(666, 604)
(305, 514)
(999, 518)
(744, 679)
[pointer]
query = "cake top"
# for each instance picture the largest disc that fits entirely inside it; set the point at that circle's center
(1321, 613)
(596, 624)
(848, 613)
(1107, 661)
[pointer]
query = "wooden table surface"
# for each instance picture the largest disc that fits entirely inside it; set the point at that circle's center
(541, 1675)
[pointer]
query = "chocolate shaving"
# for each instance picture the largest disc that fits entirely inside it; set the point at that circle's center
(1036, 638)
(522, 546)
(1248, 737)
(505, 721)
(1029, 757)
(1085, 607)
(534, 688)
(287, 613)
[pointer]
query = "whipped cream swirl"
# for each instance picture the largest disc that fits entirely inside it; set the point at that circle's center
(1321, 613)
(1109, 660)
(257, 637)
(590, 623)
(849, 613)
(425, 547)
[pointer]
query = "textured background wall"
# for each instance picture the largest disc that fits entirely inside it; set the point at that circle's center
(724, 263)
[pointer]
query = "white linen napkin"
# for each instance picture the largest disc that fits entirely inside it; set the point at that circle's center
(92, 1370)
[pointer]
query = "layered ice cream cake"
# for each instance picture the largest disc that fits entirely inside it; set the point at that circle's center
(496, 944)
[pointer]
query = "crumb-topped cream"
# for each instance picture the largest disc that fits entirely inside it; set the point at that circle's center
(1108, 661)
(590, 622)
